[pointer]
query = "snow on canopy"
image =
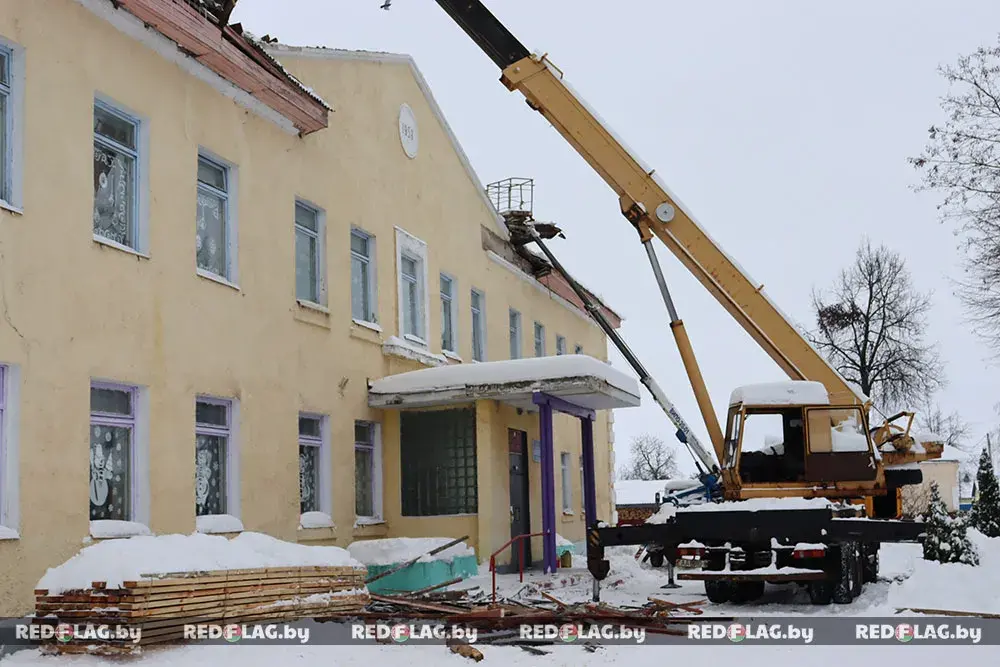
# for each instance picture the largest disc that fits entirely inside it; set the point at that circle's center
(401, 549)
(117, 561)
(791, 392)
(534, 369)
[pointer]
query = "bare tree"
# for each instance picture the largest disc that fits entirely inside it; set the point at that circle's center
(954, 430)
(962, 162)
(871, 326)
(651, 459)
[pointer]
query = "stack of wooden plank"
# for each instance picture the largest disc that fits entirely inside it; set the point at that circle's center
(160, 605)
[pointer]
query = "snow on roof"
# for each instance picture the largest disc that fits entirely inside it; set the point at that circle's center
(950, 453)
(116, 561)
(790, 392)
(643, 491)
(512, 371)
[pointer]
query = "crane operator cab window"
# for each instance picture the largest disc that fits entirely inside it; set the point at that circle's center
(772, 446)
(796, 444)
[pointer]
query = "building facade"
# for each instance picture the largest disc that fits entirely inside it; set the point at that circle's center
(198, 283)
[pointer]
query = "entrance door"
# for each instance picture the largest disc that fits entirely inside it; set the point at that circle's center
(520, 519)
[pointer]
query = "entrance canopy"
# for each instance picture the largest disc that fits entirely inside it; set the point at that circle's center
(582, 380)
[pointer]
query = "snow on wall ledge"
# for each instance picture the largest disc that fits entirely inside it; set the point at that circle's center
(117, 561)
(791, 392)
(759, 504)
(401, 549)
(499, 372)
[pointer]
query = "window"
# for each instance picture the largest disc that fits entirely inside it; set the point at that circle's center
(478, 302)
(313, 487)
(438, 462)
(362, 276)
(116, 166)
(213, 445)
(578, 349)
(515, 334)
(213, 237)
(560, 344)
(539, 340)
(448, 313)
(112, 443)
(567, 483)
(412, 270)
(367, 471)
(309, 281)
(6, 125)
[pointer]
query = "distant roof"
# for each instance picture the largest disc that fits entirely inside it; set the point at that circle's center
(643, 491)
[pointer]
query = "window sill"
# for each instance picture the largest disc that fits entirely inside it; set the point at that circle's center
(218, 524)
(416, 340)
(367, 332)
(569, 513)
(315, 520)
(118, 246)
(16, 210)
(370, 527)
(452, 355)
(367, 325)
(312, 305)
(362, 521)
(398, 347)
(105, 530)
(8, 534)
(208, 275)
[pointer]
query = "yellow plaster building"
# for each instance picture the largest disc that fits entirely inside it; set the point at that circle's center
(198, 283)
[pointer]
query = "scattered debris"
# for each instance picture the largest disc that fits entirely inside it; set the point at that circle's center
(467, 651)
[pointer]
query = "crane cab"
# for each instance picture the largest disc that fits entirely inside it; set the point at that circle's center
(786, 439)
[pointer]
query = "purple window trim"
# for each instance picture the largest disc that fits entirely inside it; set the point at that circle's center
(114, 418)
(201, 428)
(311, 440)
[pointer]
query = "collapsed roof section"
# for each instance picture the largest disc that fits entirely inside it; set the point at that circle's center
(200, 30)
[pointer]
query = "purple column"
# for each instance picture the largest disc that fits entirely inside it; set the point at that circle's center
(548, 488)
(589, 486)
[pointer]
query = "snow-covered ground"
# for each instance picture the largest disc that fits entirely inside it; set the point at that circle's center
(906, 581)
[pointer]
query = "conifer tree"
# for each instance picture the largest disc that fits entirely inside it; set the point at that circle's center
(946, 539)
(985, 515)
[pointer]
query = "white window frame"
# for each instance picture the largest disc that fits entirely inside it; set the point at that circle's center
(139, 490)
(560, 345)
(140, 184)
(377, 517)
(10, 515)
(11, 188)
(567, 482)
(452, 306)
(414, 249)
(324, 462)
(514, 333)
(538, 336)
(231, 227)
(320, 236)
(371, 285)
(478, 355)
(231, 432)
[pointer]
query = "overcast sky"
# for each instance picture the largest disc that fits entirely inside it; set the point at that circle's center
(783, 126)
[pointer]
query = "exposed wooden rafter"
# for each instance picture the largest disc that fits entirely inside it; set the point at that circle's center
(232, 56)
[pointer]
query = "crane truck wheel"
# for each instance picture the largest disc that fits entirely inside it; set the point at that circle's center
(718, 591)
(870, 562)
(747, 591)
(656, 559)
(820, 592)
(847, 585)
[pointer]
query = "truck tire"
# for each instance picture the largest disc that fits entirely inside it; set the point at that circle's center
(718, 591)
(656, 559)
(847, 584)
(870, 563)
(747, 591)
(820, 592)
